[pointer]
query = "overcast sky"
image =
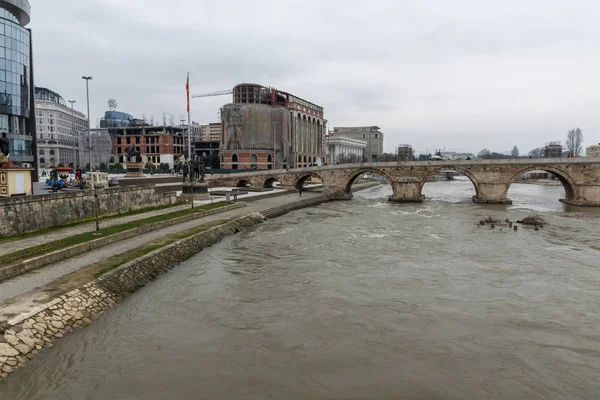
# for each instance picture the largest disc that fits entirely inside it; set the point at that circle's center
(460, 74)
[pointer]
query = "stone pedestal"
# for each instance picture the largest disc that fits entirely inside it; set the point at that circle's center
(134, 170)
(195, 191)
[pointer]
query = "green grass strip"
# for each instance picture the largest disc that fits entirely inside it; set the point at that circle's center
(154, 245)
(27, 235)
(39, 250)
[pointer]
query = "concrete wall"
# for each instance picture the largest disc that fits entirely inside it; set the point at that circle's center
(27, 214)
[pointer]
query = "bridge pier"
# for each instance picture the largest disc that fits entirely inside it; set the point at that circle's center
(336, 193)
(584, 196)
(406, 190)
(491, 193)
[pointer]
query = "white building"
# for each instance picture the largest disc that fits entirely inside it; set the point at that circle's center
(593, 152)
(211, 132)
(59, 128)
(344, 149)
(101, 148)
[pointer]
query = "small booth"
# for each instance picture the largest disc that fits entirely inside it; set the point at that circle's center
(16, 181)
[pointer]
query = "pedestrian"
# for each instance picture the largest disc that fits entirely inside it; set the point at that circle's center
(300, 191)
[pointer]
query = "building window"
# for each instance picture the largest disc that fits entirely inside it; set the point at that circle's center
(137, 140)
(119, 141)
(234, 159)
(51, 152)
(118, 150)
(254, 161)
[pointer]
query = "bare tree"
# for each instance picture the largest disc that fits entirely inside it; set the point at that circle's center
(574, 141)
(537, 153)
(348, 159)
(515, 152)
(484, 154)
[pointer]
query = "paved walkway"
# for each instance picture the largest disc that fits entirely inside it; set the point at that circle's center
(29, 281)
(10, 247)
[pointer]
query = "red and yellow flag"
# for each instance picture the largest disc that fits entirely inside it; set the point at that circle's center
(187, 91)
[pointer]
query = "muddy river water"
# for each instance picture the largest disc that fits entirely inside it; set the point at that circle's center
(356, 300)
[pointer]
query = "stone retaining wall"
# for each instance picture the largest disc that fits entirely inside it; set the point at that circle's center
(24, 336)
(27, 214)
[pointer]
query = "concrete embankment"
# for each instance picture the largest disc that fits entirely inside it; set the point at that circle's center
(25, 335)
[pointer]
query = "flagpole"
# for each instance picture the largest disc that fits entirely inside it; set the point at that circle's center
(189, 123)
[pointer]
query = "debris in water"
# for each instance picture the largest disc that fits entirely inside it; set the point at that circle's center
(534, 220)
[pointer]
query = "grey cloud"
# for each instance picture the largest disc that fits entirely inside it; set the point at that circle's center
(458, 74)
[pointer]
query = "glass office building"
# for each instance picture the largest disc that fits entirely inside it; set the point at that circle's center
(16, 88)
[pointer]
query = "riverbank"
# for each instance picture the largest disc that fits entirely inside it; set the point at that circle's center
(542, 182)
(29, 327)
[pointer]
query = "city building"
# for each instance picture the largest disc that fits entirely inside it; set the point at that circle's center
(593, 152)
(267, 128)
(553, 150)
(211, 132)
(372, 134)
(342, 150)
(59, 129)
(16, 81)
(156, 144)
(404, 152)
(208, 152)
(453, 155)
(101, 149)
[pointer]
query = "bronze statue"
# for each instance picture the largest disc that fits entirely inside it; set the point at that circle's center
(133, 155)
(4, 144)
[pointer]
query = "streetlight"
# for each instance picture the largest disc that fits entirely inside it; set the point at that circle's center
(73, 133)
(87, 89)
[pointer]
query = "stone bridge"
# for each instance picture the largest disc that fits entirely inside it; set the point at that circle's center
(491, 178)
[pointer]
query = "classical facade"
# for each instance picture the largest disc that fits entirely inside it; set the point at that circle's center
(372, 134)
(266, 128)
(60, 129)
(341, 149)
(16, 80)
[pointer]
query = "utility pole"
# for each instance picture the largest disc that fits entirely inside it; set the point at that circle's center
(87, 90)
(274, 148)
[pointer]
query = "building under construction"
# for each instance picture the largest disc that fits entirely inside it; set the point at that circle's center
(266, 128)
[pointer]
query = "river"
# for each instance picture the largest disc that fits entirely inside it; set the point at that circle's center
(363, 299)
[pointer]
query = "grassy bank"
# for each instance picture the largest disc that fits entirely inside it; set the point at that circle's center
(27, 235)
(39, 250)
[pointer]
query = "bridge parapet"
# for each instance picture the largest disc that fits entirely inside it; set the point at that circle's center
(491, 178)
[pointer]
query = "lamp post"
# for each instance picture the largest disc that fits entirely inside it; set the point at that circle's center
(73, 133)
(87, 90)
(274, 152)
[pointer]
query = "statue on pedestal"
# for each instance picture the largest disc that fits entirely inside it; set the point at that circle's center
(4, 149)
(133, 156)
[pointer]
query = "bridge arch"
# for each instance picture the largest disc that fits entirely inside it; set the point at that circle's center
(460, 170)
(563, 176)
(269, 182)
(242, 183)
(355, 174)
(301, 178)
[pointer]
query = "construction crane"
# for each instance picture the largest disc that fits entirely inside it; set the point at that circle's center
(217, 93)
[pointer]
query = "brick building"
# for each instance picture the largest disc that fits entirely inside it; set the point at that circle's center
(266, 128)
(157, 144)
